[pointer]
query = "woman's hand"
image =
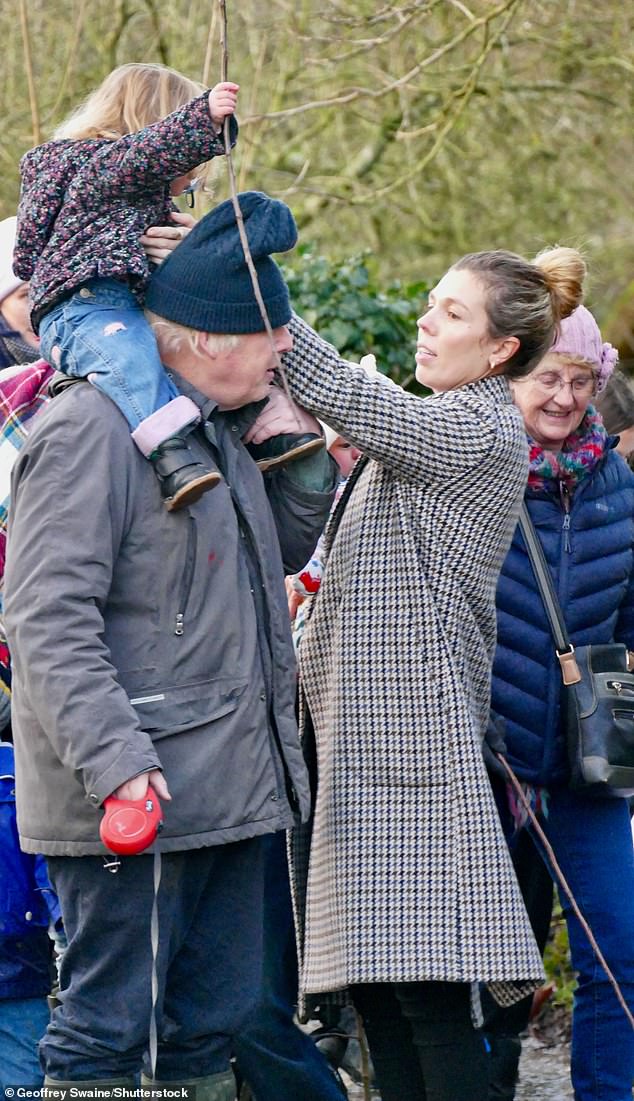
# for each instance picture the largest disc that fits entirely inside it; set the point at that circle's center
(281, 416)
(159, 241)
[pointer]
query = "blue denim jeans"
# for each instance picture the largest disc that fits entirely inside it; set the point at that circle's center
(277, 1059)
(23, 1022)
(101, 333)
(209, 962)
(592, 843)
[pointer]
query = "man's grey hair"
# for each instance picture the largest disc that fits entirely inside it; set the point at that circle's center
(174, 338)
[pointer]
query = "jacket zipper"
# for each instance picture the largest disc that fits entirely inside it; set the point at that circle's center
(565, 500)
(188, 577)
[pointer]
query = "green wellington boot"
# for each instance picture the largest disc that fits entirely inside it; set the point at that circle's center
(92, 1083)
(215, 1087)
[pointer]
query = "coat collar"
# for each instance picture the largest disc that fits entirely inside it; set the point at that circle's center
(242, 417)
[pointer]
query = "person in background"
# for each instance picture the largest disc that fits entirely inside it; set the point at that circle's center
(306, 582)
(28, 908)
(580, 496)
(616, 405)
(18, 342)
(279, 1061)
(404, 890)
(24, 378)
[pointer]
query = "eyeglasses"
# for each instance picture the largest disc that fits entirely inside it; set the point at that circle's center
(190, 192)
(583, 386)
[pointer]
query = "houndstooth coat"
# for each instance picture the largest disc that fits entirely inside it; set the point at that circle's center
(407, 876)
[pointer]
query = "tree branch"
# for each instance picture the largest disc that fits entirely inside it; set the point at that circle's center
(240, 220)
(28, 66)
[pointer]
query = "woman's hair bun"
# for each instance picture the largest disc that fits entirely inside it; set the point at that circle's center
(564, 271)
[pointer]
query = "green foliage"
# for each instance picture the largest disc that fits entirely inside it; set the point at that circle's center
(557, 960)
(342, 301)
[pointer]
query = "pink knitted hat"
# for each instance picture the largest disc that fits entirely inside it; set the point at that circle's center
(579, 337)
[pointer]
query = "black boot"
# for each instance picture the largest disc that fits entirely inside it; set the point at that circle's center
(503, 1066)
(277, 451)
(183, 479)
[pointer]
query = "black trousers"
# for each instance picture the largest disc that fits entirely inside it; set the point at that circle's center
(422, 1041)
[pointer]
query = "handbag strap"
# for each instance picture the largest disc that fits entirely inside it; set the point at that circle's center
(563, 647)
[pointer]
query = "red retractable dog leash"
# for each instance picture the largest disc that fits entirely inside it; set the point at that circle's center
(127, 828)
(130, 825)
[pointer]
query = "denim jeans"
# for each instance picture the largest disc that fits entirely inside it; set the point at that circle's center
(592, 843)
(277, 1059)
(209, 962)
(101, 333)
(23, 1022)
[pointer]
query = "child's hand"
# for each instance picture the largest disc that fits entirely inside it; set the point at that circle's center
(159, 241)
(222, 102)
(293, 597)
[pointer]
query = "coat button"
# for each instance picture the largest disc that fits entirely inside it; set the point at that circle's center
(263, 697)
(93, 798)
(85, 293)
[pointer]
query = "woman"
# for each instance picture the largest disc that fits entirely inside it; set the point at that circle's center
(581, 499)
(410, 896)
(18, 342)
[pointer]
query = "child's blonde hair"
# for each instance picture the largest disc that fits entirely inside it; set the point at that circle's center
(131, 97)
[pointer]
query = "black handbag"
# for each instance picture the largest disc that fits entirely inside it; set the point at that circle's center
(598, 694)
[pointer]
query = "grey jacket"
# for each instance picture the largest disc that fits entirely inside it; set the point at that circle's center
(144, 639)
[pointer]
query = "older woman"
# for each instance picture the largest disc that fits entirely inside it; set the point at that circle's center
(580, 497)
(410, 897)
(18, 342)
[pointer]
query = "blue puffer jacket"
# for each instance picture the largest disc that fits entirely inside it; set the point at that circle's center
(589, 550)
(27, 902)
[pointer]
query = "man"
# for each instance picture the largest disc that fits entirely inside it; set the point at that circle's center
(154, 647)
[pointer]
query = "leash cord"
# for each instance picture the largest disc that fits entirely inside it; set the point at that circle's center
(154, 935)
(563, 883)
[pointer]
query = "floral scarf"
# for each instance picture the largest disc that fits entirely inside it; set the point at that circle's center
(578, 457)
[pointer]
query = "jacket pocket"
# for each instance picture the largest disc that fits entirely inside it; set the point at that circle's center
(164, 711)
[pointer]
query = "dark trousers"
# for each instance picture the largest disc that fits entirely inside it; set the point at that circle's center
(422, 1041)
(209, 962)
(503, 1025)
(277, 1059)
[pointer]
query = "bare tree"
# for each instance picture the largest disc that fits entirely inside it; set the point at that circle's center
(418, 129)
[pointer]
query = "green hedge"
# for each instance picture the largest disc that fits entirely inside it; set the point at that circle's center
(342, 301)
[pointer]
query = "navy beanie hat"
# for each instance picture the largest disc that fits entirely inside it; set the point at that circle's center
(205, 283)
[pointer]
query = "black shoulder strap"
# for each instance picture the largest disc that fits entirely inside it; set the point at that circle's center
(60, 382)
(563, 646)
